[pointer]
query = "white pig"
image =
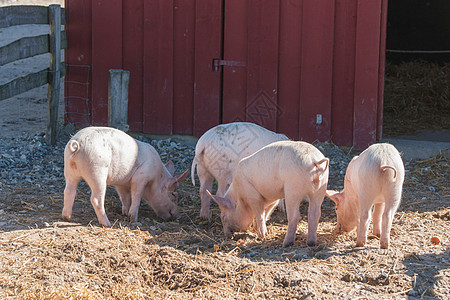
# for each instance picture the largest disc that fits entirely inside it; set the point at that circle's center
(286, 169)
(218, 152)
(106, 156)
(374, 178)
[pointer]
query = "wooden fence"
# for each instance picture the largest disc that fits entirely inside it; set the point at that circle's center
(26, 47)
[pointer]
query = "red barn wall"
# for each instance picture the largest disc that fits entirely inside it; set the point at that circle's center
(313, 70)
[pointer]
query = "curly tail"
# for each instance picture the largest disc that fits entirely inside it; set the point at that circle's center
(384, 168)
(73, 147)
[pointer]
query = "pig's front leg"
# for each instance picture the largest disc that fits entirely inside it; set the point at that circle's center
(69, 196)
(260, 217)
(269, 209)
(136, 195)
(125, 198)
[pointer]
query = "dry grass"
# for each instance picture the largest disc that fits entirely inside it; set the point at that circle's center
(191, 259)
(416, 97)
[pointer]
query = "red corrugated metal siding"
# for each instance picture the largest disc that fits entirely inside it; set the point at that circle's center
(303, 59)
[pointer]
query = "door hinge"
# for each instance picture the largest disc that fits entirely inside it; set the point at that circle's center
(217, 63)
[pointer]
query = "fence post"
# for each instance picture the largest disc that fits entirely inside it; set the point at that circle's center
(118, 99)
(54, 15)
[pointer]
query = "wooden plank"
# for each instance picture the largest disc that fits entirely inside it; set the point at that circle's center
(78, 58)
(158, 66)
(23, 84)
(106, 53)
(25, 14)
(23, 48)
(54, 83)
(118, 82)
(262, 84)
(235, 48)
(366, 73)
(382, 63)
(289, 67)
(133, 59)
(183, 65)
(316, 76)
(27, 47)
(207, 85)
(343, 73)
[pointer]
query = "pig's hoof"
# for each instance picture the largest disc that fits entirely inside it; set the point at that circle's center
(67, 217)
(288, 244)
(311, 243)
(204, 217)
(384, 245)
(360, 244)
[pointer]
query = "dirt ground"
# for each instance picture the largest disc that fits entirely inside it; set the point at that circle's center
(44, 257)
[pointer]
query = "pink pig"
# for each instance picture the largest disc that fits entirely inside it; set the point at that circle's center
(374, 178)
(286, 169)
(106, 156)
(220, 149)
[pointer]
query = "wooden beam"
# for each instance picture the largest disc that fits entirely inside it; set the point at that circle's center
(54, 84)
(118, 99)
(26, 14)
(28, 47)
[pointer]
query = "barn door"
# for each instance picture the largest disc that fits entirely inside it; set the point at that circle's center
(249, 63)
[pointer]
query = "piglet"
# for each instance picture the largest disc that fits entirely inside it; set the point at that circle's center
(374, 178)
(218, 152)
(286, 169)
(106, 156)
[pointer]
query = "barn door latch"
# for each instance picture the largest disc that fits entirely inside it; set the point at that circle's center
(217, 63)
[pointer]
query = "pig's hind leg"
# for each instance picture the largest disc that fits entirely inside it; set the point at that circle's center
(314, 212)
(125, 198)
(292, 203)
(206, 183)
(365, 215)
(376, 218)
(388, 217)
(98, 190)
(70, 192)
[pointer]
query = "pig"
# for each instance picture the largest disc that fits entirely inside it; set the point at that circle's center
(373, 179)
(218, 152)
(287, 169)
(106, 156)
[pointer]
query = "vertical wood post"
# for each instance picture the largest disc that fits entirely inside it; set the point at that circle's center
(54, 15)
(118, 99)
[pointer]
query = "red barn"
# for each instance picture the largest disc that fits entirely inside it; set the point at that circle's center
(313, 70)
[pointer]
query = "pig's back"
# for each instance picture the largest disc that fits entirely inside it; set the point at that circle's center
(232, 142)
(103, 148)
(279, 161)
(371, 162)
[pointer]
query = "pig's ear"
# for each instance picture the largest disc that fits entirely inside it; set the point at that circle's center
(221, 201)
(175, 180)
(337, 197)
(170, 167)
(181, 177)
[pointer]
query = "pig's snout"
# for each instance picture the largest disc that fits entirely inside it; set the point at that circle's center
(171, 214)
